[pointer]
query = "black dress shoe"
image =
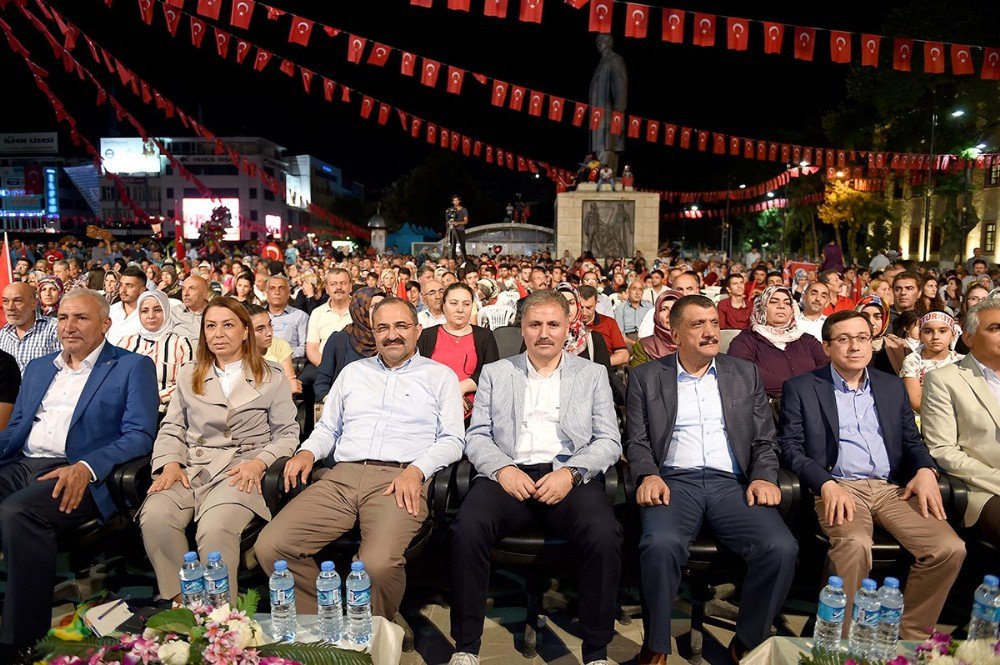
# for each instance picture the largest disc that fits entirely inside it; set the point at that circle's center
(737, 650)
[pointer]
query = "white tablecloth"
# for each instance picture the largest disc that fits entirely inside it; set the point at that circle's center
(786, 651)
(386, 646)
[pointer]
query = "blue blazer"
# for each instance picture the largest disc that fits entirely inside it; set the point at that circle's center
(809, 434)
(114, 420)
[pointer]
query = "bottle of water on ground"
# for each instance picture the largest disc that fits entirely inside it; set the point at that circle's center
(887, 635)
(359, 604)
(329, 609)
(282, 587)
(864, 620)
(830, 616)
(216, 580)
(192, 580)
(985, 622)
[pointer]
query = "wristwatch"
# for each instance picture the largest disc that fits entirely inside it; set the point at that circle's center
(937, 474)
(575, 474)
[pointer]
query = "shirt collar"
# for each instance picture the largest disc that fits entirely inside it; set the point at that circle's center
(840, 384)
(684, 374)
(229, 370)
(988, 374)
(408, 362)
(533, 374)
(88, 362)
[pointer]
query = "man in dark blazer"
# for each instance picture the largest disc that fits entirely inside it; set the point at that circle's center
(849, 433)
(700, 444)
(80, 413)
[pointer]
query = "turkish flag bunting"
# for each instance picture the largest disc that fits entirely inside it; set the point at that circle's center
(176, 3)
(366, 106)
(961, 60)
(796, 154)
(774, 34)
(840, 46)
(991, 65)
(455, 78)
(301, 30)
(242, 48)
(718, 144)
(273, 13)
(600, 15)
(737, 30)
(263, 57)
(497, 8)
(466, 145)
(556, 105)
(222, 42)
(287, 67)
(510, 161)
(636, 20)
(669, 134)
(431, 132)
(307, 79)
(329, 86)
(673, 26)
(406, 63)
(458, 5)
(772, 152)
(702, 140)
(455, 139)
(734, 146)
(805, 42)
(617, 120)
(704, 30)
(242, 12)
(516, 98)
(685, 141)
(748, 151)
(841, 159)
(902, 56)
(576, 4)
(477, 149)
(197, 31)
(378, 55)
(355, 48)
(331, 31)
(210, 8)
(429, 72)
(933, 58)
(383, 113)
(634, 125)
(415, 127)
(499, 93)
(422, 3)
(652, 130)
(535, 102)
(807, 155)
(596, 115)
(146, 11)
(579, 112)
(869, 50)
(489, 154)
(761, 150)
(173, 19)
(531, 11)
(830, 157)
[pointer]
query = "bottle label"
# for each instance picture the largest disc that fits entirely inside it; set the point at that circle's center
(870, 617)
(218, 586)
(192, 587)
(891, 614)
(328, 598)
(986, 612)
(283, 596)
(359, 596)
(831, 614)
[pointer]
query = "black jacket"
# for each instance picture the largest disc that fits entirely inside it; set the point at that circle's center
(482, 339)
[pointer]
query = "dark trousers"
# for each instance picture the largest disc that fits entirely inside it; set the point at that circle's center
(489, 514)
(308, 378)
(29, 522)
(756, 533)
(988, 524)
(456, 236)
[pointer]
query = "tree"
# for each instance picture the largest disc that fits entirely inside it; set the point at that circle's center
(861, 212)
(800, 215)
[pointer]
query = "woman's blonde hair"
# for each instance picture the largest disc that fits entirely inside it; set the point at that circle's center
(252, 357)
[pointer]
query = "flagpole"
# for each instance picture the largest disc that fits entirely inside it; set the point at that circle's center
(6, 249)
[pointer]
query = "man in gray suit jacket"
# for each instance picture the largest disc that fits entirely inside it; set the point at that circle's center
(543, 431)
(700, 444)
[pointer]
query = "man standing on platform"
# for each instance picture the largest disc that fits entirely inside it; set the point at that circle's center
(457, 217)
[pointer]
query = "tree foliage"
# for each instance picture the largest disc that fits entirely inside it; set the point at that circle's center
(860, 212)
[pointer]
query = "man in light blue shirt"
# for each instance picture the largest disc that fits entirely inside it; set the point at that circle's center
(290, 324)
(629, 313)
(389, 423)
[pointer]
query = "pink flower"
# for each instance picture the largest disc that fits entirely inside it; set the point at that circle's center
(899, 660)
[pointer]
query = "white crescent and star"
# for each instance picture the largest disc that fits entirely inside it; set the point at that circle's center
(904, 51)
(380, 52)
(935, 53)
(994, 59)
(706, 25)
(871, 45)
(196, 28)
(356, 45)
(841, 43)
(638, 16)
(738, 29)
(455, 77)
(602, 11)
(429, 69)
(774, 31)
(242, 8)
(302, 27)
(674, 20)
(963, 56)
(804, 38)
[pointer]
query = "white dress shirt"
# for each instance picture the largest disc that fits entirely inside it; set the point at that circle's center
(700, 439)
(228, 376)
(426, 319)
(810, 327)
(541, 439)
(992, 380)
(123, 326)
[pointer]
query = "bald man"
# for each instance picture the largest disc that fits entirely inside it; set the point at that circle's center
(26, 336)
(432, 294)
(195, 296)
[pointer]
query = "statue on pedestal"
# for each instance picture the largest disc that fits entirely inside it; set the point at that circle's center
(608, 91)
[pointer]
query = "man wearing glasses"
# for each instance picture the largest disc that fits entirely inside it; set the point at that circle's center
(866, 464)
(389, 423)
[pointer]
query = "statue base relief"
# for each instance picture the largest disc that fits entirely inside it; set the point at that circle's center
(607, 223)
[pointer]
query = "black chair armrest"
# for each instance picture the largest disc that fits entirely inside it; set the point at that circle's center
(956, 501)
(129, 483)
(612, 479)
(439, 492)
(273, 485)
(791, 495)
(628, 478)
(464, 473)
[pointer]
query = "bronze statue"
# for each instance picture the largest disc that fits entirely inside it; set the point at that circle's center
(608, 91)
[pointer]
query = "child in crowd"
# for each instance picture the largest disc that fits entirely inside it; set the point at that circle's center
(937, 331)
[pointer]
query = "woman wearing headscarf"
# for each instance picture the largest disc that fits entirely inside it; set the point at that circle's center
(110, 291)
(774, 342)
(157, 340)
(50, 292)
(661, 342)
(888, 350)
(169, 283)
(354, 342)
(584, 343)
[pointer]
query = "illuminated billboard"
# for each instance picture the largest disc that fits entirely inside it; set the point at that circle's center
(196, 212)
(130, 156)
(273, 225)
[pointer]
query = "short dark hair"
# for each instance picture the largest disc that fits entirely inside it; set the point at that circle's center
(694, 300)
(657, 272)
(412, 285)
(586, 291)
(981, 261)
(825, 275)
(134, 271)
(545, 297)
(253, 309)
(775, 273)
(840, 317)
(392, 300)
(906, 275)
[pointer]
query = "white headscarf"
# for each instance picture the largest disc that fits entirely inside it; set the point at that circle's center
(779, 336)
(166, 327)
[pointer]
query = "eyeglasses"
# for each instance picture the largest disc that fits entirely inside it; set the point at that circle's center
(383, 328)
(844, 340)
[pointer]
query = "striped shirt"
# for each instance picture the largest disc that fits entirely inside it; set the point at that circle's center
(41, 340)
(168, 354)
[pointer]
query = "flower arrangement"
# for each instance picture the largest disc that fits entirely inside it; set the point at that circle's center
(201, 635)
(939, 649)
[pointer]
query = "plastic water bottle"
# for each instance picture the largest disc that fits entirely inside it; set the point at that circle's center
(329, 610)
(192, 580)
(887, 635)
(985, 622)
(216, 580)
(282, 586)
(864, 620)
(359, 604)
(830, 616)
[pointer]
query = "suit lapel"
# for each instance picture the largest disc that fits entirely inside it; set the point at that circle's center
(213, 391)
(888, 433)
(105, 362)
(828, 405)
(723, 376)
(969, 370)
(668, 386)
(518, 386)
(242, 392)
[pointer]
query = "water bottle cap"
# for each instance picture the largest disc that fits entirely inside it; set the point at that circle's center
(991, 580)
(868, 584)
(190, 557)
(214, 556)
(357, 565)
(835, 581)
(326, 566)
(280, 566)
(891, 582)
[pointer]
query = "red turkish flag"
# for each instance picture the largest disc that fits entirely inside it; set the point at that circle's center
(383, 113)
(840, 46)
(933, 58)
(406, 64)
(718, 144)
(516, 97)
(669, 134)
(466, 146)
(807, 155)
(805, 42)
(458, 5)
(477, 149)
(652, 130)
(961, 60)
(499, 93)
(636, 20)
(431, 132)
(702, 140)
(510, 161)
(772, 152)
(902, 56)
(328, 88)
(355, 48)
(378, 55)
(704, 30)
(685, 141)
(455, 78)
(145, 11)
(535, 103)
(556, 106)
(617, 121)
(415, 127)
(796, 154)
(734, 146)
(242, 49)
(576, 4)
(830, 157)
(634, 126)
(307, 79)
(173, 19)
(737, 31)
(210, 8)
(260, 62)
(673, 26)
(531, 11)
(287, 67)
(596, 115)
(497, 8)
(489, 154)
(991, 65)
(222, 43)
(429, 72)
(748, 151)
(197, 31)
(242, 12)
(774, 34)
(300, 31)
(579, 112)
(455, 139)
(600, 16)
(869, 50)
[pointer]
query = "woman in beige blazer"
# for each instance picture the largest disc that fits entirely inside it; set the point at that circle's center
(231, 417)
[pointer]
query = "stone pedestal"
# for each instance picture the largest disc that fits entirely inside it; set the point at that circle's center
(600, 221)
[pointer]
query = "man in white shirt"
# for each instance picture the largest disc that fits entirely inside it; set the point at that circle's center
(687, 283)
(433, 296)
(124, 313)
(657, 286)
(540, 461)
(331, 316)
(814, 300)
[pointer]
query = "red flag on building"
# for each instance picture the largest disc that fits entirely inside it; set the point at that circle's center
(933, 58)
(455, 78)
(704, 30)
(840, 46)
(805, 42)
(378, 55)
(429, 72)
(210, 8)
(673, 26)
(516, 98)
(499, 93)
(355, 48)
(497, 8)
(531, 11)
(869, 50)
(556, 105)
(600, 16)
(738, 32)
(902, 55)
(636, 20)
(991, 65)
(300, 31)
(242, 12)
(961, 60)
(406, 64)
(774, 34)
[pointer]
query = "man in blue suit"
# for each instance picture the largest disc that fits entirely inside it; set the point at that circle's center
(80, 413)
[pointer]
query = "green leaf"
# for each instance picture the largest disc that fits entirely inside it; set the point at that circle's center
(315, 653)
(52, 647)
(247, 602)
(180, 621)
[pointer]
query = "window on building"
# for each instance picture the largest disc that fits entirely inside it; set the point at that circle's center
(170, 192)
(937, 236)
(993, 176)
(268, 195)
(253, 192)
(253, 215)
(914, 240)
(170, 212)
(897, 187)
(989, 242)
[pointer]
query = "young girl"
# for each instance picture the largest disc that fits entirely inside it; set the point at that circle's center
(937, 330)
